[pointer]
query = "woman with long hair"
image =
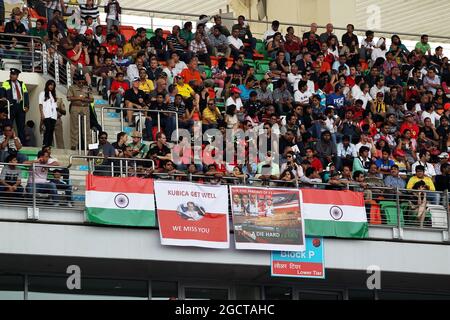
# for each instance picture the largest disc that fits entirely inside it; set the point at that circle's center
(48, 110)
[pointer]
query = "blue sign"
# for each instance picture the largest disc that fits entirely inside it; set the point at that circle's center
(304, 264)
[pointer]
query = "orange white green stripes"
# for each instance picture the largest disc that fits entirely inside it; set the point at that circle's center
(120, 201)
(332, 213)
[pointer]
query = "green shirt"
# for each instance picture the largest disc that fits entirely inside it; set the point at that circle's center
(186, 35)
(38, 33)
(142, 148)
(424, 48)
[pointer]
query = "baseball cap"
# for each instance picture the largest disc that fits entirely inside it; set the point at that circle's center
(72, 31)
(380, 94)
(136, 134)
(14, 71)
(235, 90)
(443, 155)
(447, 106)
(89, 32)
(136, 79)
(409, 114)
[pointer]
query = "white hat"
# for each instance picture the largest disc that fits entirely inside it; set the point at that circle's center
(443, 155)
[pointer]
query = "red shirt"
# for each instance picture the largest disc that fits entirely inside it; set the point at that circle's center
(117, 84)
(351, 82)
(316, 164)
(81, 60)
(112, 49)
(292, 46)
(189, 75)
(414, 128)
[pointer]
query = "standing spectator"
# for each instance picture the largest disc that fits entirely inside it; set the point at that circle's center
(47, 108)
(90, 9)
(16, 92)
(113, 11)
(80, 98)
(52, 6)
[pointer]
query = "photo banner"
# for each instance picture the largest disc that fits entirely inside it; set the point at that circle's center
(267, 219)
(192, 214)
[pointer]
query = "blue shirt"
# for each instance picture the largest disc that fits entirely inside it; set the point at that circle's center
(393, 182)
(245, 95)
(336, 100)
(384, 166)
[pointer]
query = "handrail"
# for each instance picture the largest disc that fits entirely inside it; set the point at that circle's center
(74, 156)
(140, 117)
(8, 107)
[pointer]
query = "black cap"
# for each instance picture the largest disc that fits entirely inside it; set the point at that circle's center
(14, 71)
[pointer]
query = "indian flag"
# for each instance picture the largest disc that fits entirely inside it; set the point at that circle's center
(120, 201)
(339, 214)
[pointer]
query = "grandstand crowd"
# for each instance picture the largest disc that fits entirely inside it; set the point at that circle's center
(346, 111)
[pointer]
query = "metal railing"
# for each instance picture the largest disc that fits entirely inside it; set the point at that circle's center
(8, 106)
(139, 113)
(393, 209)
(22, 52)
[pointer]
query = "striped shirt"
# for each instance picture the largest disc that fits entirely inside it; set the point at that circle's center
(178, 47)
(85, 12)
(181, 110)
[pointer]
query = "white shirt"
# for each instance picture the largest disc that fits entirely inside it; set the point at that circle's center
(236, 42)
(294, 79)
(132, 72)
(367, 45)
(238, 103)
(350, 151)
(368, 144)
(429, 169)
(378, 53)
(302, 97)
(365, 97)
(180, 66)
(49, 106)
(14, 92)
(311, 88)
(267, 34)
(433, 116)
(330, 124)
(374, 90)
(112, 12)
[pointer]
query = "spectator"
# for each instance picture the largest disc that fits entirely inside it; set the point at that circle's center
(219, 43)
(223, 29)
(420, 176)
(62, 185)
(159, 151)
(269, 34)
(424, 158)
(423, 47)
(134, 101)
(10, 178)
(211, 116)
(104, 150)
(443, 159)
(442, 181)
(10, 144)
(384, 163)
(186, 32)
(346, 152)
(191, 75)
(38, 177)
(176, 43)
(313, 160)
(236, 45)
(48, 110)
(362, 162)
(120, 144)
(30, 137)
(393, 180)
(113, 12)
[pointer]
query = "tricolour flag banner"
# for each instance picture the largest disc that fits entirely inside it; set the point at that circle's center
(192, 214)
(330, 213)
(120, 201)
(267, 219)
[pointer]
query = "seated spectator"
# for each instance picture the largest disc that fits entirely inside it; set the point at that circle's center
(424, 158)
(159, 152)
(326, 149)
(374, 178)
(423, 47)
(393, 180)
(120, 144)
(138, 148)
(191, 75)
(313, 160)
(176, 43)
(211, 116)
(219, 43)
(420, 176)
(346, 152)
(218, 23)
(30, 137)
(62, 186)
(237, 46)
(160, 45)
(443, 159)
(199, 49)
(362, 162)
(384, 163)
(10, 145)
(134, 101)
(105, 150)
(442, 181)
(268, 169)
(311, 176)
(10, 179)
(38, 177)
(118, 88)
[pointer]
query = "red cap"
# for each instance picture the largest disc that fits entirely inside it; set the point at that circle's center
(235, 90)
(89, 32)
(73, 31)
(447, 106)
